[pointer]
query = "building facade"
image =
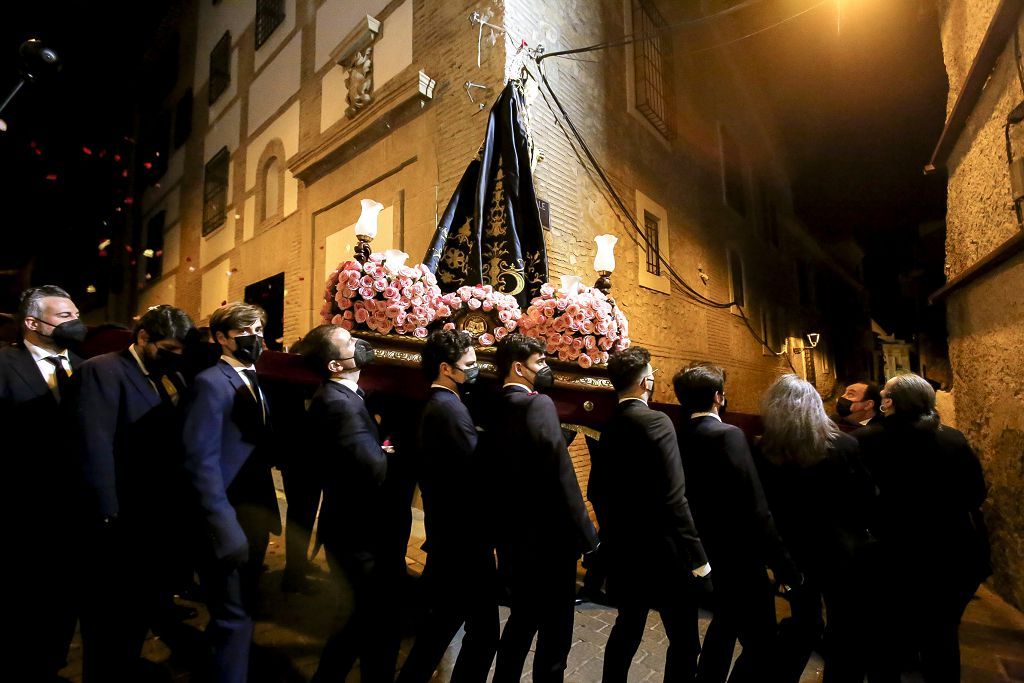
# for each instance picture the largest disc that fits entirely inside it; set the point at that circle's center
(985, 264)
(286, 113)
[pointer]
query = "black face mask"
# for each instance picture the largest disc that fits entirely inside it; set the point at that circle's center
(363, 354)
(543, 379)
(67, 333)
(471, 374)
(844, 406)
(165, 362)
(249, 348)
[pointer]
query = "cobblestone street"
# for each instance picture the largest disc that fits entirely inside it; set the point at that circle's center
(290, 632)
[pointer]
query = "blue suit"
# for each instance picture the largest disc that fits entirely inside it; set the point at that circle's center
(132, 468)
(226, 441)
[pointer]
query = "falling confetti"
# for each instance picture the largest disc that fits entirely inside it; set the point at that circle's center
(159, 252)
(148, 253)
(129, 201)
(128, 248)
(191, 269)
(102, 253)
(3, 126)
(91, 289)
(104, 244)
(117, 158)
(51, 177)
(86, 151)
(147, 165)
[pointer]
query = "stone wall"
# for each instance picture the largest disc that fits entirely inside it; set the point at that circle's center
(986, 318)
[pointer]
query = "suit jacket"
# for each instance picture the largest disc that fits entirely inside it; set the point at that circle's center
(131, 440)
(345, 438)
(931, 488)
(728, 503)
(542, 512)
(451, 476)
(639, 493)
(39, 436)
(223, 435)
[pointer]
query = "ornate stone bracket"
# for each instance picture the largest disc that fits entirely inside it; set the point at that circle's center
(356, 57)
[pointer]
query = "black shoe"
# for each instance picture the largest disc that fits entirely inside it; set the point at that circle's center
(298, 583)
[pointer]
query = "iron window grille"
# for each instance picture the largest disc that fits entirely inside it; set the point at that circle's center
(651, 225)
(215, 191)
(269, 15)
(220, 67)
(650, 64)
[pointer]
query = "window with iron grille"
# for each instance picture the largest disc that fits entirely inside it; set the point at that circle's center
(651, 225)
(736, 279)
(652, 81)
(220, 67)
(215, 191)
(183, 119)
(269, 15)
(154, 246)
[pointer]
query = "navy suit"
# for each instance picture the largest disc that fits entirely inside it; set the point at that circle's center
(650, 542)
(460, 571)
(227, 443)
(353, 525)
(544, 528)
(740, 538)
(42, 503)
(132, 464)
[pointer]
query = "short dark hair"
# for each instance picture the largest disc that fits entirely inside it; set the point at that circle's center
(696, 384)
(319, 349)
(443, 346)
(31, 305)
(166, 322)
(513, 348)
(872, 392)
(626, 367)
(235, 316)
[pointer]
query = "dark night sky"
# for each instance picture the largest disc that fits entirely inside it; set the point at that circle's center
(59, 221)
(859, 111)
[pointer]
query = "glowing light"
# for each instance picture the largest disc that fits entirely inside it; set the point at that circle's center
(605, 259)
(366, 226)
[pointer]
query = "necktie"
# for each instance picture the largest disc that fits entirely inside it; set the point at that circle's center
(161, 390)
(63, 379)
(254, 383)
(360, 393)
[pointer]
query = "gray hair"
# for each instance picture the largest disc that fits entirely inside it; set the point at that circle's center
(32, 300)
(913, 399)
(796, 428)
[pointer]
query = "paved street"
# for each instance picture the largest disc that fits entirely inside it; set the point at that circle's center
(290, 632)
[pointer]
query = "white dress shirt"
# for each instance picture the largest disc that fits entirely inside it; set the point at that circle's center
(441, 386)
(239, 366)
(46, 368)
(694, 416)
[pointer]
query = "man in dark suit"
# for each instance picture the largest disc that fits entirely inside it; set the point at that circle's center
(134, 479)
(545, 526)
(859, 406)
(37, 404)
(460, 571)
(353, 516)
(649, 539)
(227, 436)
(736, 528)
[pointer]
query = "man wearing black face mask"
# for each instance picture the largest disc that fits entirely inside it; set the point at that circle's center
(859, 406)
(544, 526)
(227, 436)
(460, 572)
(132, 462)
(353, 515)
(38, 378)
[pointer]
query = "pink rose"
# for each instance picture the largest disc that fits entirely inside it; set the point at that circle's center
(391, 292)
(487, 305)
(486, 339)
(366, 281)
(376, 257)
(549, 309)
(572, 309)
(546, 290)
(504, 316)
(601, 328)
(465, 293)
(474, 304)
(350, 265)
(347, 315)
(401, 317)
(366, 292)
(367, 267)
(511, 325)
(478, 292)
(500, 333)
(418, 289)
(361, 316)
(430, 279)
(574, 326)
(336, 320)
(448, 326)
(443, 311)
(561, 304)
(345, 304)
(589, 342)
(347, 324)
(577, 343)
(552, 348)
(420, 332)
(392, 311)
(585, 361)
(380, 284)
(604, 343)
(573, 353)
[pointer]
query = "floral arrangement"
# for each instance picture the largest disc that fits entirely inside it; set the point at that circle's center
(482, 298)
(383, 295)
(578, 323)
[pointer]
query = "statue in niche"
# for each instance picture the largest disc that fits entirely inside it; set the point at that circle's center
(360, 81)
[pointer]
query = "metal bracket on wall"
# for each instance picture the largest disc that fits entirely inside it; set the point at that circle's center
(481, 21)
